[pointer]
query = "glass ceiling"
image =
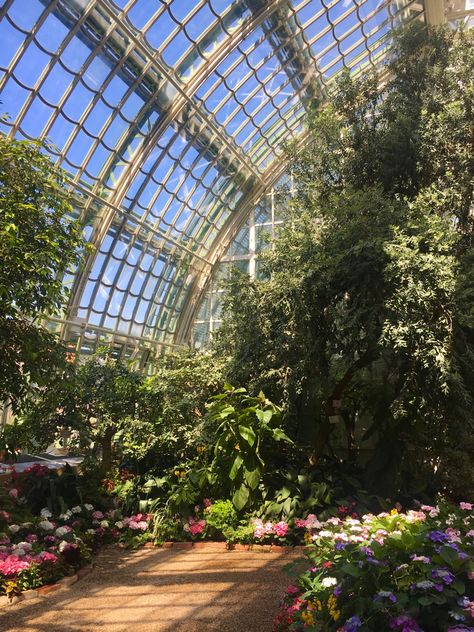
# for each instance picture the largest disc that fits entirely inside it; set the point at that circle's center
(169, 117)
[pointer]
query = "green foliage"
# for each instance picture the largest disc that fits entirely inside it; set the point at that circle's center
(99, 401)
(240, 425)
(221, 518)
(184, 381)
(364, 329)
(40, 242)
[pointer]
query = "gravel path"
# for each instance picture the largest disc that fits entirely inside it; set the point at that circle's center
(162, 590)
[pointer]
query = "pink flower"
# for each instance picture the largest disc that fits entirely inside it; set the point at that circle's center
(466, 506)
(13, 493)
(281, 529)
(12, 565)
(197, 527)
(206, 502)
(258, 529)
(300, 524)
(46, 556)
(454, 535)
(97, 515)
(31, 538)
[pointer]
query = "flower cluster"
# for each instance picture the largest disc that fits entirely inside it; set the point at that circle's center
(403, 572)
(261, 530)
(46, 547)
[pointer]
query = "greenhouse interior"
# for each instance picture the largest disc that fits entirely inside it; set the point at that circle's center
(237, 315)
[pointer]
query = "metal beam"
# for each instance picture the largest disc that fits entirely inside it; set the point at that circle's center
(229, 231)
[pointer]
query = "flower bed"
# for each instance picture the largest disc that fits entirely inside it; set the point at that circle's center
(400, 572)
(43, 549)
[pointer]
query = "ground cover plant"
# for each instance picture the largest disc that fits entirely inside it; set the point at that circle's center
(407, 572)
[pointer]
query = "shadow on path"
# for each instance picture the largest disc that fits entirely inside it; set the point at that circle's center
(163, 590)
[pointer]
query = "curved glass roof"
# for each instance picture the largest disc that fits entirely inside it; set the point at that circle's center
(169, 117)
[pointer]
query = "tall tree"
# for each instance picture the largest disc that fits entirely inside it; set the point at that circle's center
(39, 243)
(366, 321)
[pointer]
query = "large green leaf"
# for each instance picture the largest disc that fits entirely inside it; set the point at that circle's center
(247, 433)
(236, 465)
(241, 497)
(252, 477)
(279, 435)
(264, 416)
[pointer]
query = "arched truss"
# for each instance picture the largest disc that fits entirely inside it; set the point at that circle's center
(168, 116)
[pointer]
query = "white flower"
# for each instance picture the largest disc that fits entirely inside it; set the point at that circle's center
(104, 524)
(14, 528)
(45, 513)
(20, 552)
(76, 509)
(62, 545)
(46, 525)
(329, 581)
(24, 546)
(89, 507)
(65, 516)
(325, 534)
(90, 531)
(119, 524)
(60, 531)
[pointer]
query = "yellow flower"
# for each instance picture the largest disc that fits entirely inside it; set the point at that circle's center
(394, 512)
(307, 618)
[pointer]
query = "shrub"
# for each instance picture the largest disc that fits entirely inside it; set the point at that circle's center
(407, 572)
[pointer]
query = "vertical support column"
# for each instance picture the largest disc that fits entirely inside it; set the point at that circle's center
(252, 244)
(435, 12)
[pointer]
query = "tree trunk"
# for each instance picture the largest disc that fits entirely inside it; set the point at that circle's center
(106, 443)
(329, 409)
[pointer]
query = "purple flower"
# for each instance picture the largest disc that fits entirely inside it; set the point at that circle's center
(385, 594)
(463, 602)
(339, 546)
(352, 624)
(367, 551)
(337, 592)
(438, 536)
(442, 573)
(420, 558)
(405, 623)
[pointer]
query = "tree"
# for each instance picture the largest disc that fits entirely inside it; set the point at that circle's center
(102, 402)
(40, 243)
(365, 327)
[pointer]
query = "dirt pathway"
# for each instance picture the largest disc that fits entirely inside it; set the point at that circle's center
(162, 590)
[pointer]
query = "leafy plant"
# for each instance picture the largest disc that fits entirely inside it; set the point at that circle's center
(221, 518)
(40, 242)
(240, 426)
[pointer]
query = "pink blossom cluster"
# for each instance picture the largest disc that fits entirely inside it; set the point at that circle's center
(138, 522)
(195, 525)
(310, 522)
(11, 564)
(260, 529)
